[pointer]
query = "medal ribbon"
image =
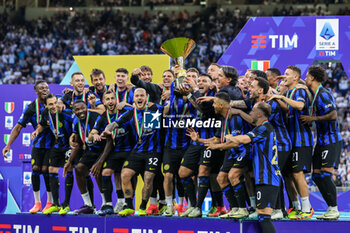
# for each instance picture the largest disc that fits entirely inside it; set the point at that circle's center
(82, 133)
(37, 111)
(264, 122)
(97, 95)
(314, 99)
(224, 129)
(124, 98)
(83, 97)
(55, 130)
(139, 128)
(109, 121)
(161, 100)
(291, 95)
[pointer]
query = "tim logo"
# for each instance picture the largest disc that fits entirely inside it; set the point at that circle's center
(258, 41)
(152, 120)
(133, 230)
(6, 228)
(276, 41)
(74, 229)
(182, 231)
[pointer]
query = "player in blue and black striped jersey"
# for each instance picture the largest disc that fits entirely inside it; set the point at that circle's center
(327, 151)
(41, 144)
(83, 123)
(235, 160)
(115, 153)
(265, 162)
(79, 93)
(145, 155)
(124, 92)
(176, 143)
(209, 161)
(298, 101)
(60, 125)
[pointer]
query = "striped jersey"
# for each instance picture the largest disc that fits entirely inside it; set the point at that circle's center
(176, 136)
(32, 114)
(61, 128)
(123, 141)
(150, 139)
(235, 125)
(278, 121)
(208, 113)
(299, 133)
(265, 160)
(327, 131)
(125, 96)
(69, 98)
(97, 93)
(83, 130)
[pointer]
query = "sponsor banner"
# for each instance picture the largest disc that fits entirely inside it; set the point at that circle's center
(170, 225)
(42, 224)
(288, 41)
(14, 105)
(25, 223)
(299, 226)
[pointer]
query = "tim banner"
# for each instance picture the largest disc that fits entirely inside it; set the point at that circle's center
(278, 42)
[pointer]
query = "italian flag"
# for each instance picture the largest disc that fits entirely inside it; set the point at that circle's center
(260, 65)
(9, 107)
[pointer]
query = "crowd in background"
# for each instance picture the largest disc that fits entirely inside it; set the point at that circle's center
(43, 49)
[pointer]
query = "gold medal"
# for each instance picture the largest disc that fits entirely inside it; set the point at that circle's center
(140, 141)
(84, 146)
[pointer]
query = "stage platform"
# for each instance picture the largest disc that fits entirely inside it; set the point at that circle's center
(39, 223)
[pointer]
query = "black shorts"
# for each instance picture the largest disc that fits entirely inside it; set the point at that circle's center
(59, 157)
(283, 157)
(40, 157)
(236, 161)
(212, 159)
(140, 162)
(243, 160)
(300, 159)
(266, 196)
(172, 160)
(192, 157)
(89, 158)
(228, 162)
(115, 160)
(327, 155)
